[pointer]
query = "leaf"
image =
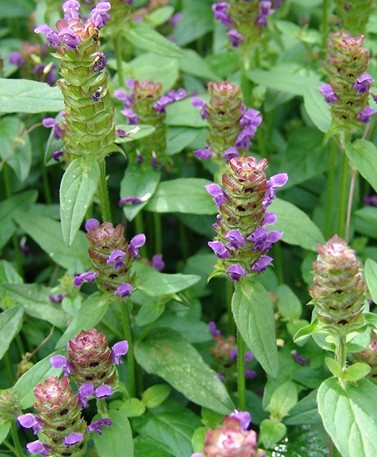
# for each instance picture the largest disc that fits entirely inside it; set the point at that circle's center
(8, 275)
(133, 407)
(197, 19)
(47, 234)
(349, 416)
(370, 274)
(16, 203)
(334, 366)
(15, 146)
(116, 440)
(78, 185)
(283, 399)
(143, 37)
(156, 395)
(182, 195)
(146, 446)
(365, 221)
(134, 132)
(10, 325)
(194, 64)
(182, 113)
(271, 432)
(289, 305)
(305, 411)
(159, 16)
(297, 227)
(165, 353)
(363, 156)
(179, 138)
(253, 314)
(138, 181)
(149, 312)
(356, 371)
(317, 109)
(26, 96)
(91, 312)
(4, 430)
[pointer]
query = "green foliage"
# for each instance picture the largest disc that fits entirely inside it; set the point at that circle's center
(10, 325)
(116, 441)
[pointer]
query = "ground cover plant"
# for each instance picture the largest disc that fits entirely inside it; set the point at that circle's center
(188, 244)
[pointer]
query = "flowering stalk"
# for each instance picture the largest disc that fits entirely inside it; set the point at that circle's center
(230, 125)
(354, 15)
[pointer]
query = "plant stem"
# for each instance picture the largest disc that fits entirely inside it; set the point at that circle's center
(157, 233)
(241, 380)
(130, 354)
(139, 225)
(330, 196)
(325, 23)
(245, 81)
(343, 197)
(341, 350)
(46, 184)
(12, 448)
(349, 207)
(117, 42)
(16, 440)
(104, 194)
(228, 298)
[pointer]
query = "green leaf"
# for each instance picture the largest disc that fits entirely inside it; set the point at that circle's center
(4, 430)
(146, 446)
(349, 416)
(194, 64)
(289, 305)
(298, 229)
(10, 325)
(253, 314)
(16, 203)
(334, 366)
(317, 109)
(182, 113)
(15, 146)
(363, 156)
(306, 331)
(283, 399)
(8, 274)
(156, 395)
(182, 195)
(134, 132)
(149, 312)
(271, 432)
(143, 37)
(133, 407)
(78, 185)
(159, 16)
(91, 312)
(356, 371)
(197, 19)
(305, 411)
(36, 375)
(366, 221)
(138, 181)
(116, 440)
(26, 96)
(48, 235)
(370, 274)
(179, 138)
(165, 353)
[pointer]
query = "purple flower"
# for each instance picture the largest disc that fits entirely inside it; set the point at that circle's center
(243, 138)
(49, 122)
(103, 391)
(250, 374)
(132, 200)
(89, 276)
(157, 262)
(235, 38)
(85, 391)
(37, 447)
(235, 272)
(119, 349)
(263, 239)
(116, 259)
(299, 359)
(222, 379)
(154, 162)
(269, 219)
(204, 153)
(96, 426)
(136, 242)
(127, 99)
(56, 155)
(365, 114)
(91, 224)
(100, 14)
(124, 290)
(199, 103)
(230, 153)
(73, 438)
(220, 10)
(160, 105)
(100, 62)
(213, 329)
(132, 117)
(235, 238)
(328, 92)
(219, 249)
(30, 421)
(59, 361)
(261, 264)
(56, 298)
(16, 58)
(243, 418)
(249, 356)
(370, 200)
(363, 83)
(70, 8)
(69, 38)
(52, 36)
(278, 180)
(252, 118)
(233, 354)
(216, 192)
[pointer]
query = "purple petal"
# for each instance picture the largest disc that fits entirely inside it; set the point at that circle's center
(197, 102)
(261, 264)
(103, 391)
(212, 329)
(365, 114)
(219, 249)
(85, 391)
(132, 200)
(136, 242)
(363, 83)
(249, 356)
(235, 38)
(89, 276)
(243, 418)
(233, 354)
(279, 180)
(59, 361)
(204, 153)
(48, 122)
(269, 219)
(157, 262)
(235, 272)
(124, 290)
(91, 224)
(119, 349)
(73, 438)
(30, 421)
(230, 153)
(37, 447)
(328, 92)
(299, 359)
(97, 425)
(235, 238)
(116, 259)
(219, 196)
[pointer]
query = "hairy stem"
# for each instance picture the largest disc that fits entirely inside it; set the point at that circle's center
(130, 354)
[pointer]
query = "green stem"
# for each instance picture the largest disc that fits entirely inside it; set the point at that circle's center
(157, 233)
(349, 206)
(139, 225)
(16, 440)
(241, 380)
(12, 448)
(341, 351)
(102, 407)
(46, 184)
(130, 354)
(104, 194)
(325, 23)
(331, 189)
(20, 345)
(228, 297)
(117, 42)
(343, 197)
(245, 81)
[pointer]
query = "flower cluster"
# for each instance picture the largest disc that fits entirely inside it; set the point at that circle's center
(243, 240)
(225, 356)
(245, 19)
(59, 423)
(348, 90)
(338, 289)
(231, 124)
(144, 104)
(354, 16)
(111, 258)
(89, 124)
(232, 439)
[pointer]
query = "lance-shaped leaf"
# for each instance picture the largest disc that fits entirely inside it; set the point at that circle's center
(363, 156)
(10, 325)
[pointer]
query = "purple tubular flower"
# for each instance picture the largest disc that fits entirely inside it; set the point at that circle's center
(16, 58)
(222, 379)
(124, 290)
(48, 122)
(251, 120)
(52, 36)
(157, 262)
(103, 391)
(299, 359)
(100, 14)
(235, 238)
(328, 92)
(216, 192)
(363, 83)
(370, 200)
(116, 259)
(85, 391)
(204, 153)
(91, 224)
(278, 180)
(72, 439)
(30, 421)
(365, 114)
(160, 105)
(213, 329)
(243, 418)
(71, 8)
(199, 103)
(136, 242)
(132, 117)
(69, 37)
(235, 272)
(56, 298)
(269, 219)
(263, 239)
(230, 153)
(59, 361)
(261, 264)
(250, 374)
(96, 426)
(235, 37)
(243, 138)
(219, 249)
(37, 447)
(57, 154)
(233, 354)
(249, 356)
(100, 62)
(220, 10)
(132, 200)
(89, 276)
(127, 99)
(119, 349)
